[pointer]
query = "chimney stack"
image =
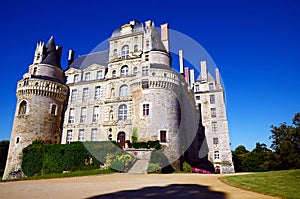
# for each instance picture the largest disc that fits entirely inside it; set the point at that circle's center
(192, 77)
(217, 76)
(164, 28)
(58, 53)
(148, 24)
(187, 75)
(203, 71)
(181, 62)
(70, 57)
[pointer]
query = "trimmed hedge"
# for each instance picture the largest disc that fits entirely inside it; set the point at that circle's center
(147, 145)
(39, 159)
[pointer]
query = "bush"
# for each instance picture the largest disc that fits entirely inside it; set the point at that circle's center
(147, 145)
(122, 163)
(187, 168)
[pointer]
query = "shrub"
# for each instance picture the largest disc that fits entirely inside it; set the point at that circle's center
(122, 163)
(187, 167)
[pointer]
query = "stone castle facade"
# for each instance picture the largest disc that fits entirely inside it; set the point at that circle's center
(109, 94)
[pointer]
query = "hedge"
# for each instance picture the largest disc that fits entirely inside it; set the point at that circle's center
(39, 159)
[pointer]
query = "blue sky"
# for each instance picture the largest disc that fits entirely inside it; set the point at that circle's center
(255, 44)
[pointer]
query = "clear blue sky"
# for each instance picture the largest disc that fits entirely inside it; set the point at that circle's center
(255, 44)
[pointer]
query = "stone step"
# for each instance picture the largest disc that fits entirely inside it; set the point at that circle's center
(139, 167)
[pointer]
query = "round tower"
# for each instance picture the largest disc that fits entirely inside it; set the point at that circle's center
(41, 96)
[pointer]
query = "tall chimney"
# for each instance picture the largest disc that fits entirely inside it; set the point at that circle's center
(148, 23)
(181, 61)
(187, 75)
(217, 76)
(192, 77)
(164, 28)
(203, 71)
(58, 53)
(70, 57)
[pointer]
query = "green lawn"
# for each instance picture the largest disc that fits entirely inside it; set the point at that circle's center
(68, 174)
(285, 184)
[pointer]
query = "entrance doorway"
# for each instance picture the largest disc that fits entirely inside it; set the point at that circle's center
(121, 139)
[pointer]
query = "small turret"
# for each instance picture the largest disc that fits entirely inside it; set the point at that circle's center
(38, 55)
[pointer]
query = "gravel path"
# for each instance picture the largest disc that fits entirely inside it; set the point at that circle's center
(127, 186)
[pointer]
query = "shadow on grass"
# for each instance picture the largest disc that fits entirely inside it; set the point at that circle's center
(178, 191)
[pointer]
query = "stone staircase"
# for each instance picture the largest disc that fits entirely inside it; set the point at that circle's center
(139, 167)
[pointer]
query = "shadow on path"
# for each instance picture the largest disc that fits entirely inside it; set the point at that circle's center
(178, 191)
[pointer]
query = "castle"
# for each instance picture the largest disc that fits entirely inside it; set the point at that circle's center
(106, 95)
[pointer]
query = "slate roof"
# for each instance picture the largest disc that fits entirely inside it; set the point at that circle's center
(137, 27)
(50, 54)
(85, 61)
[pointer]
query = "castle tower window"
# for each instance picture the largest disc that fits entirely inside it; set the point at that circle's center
(53, 109)
(87, 76)
(163, 136)
(213, 112)
(83, 115)
(56, 139)
(81, 135)
(123, 112)
(73, 95)
(94, 135)
(23, 108)
(211, 86)
(115, 52)
(135, 70)
(110, 137)
(144, 70)
(76, 78)
(123, 91)
(99, 74)
(147, 44)
(146, 109)
(145, 85)
(111, 115)
(212, 99)
(97, 93)
(216, 142)
(114, 74)
(216, 155)
(17, 140)
(135, 48)
(34, 70)
(125, 52)
(85, 94)
(72, 116)
(146, 57)
(69, 136)
(214, 127)
(112, 92)
(198, 97)
(124, 71)
(95, 113)
(197, 88)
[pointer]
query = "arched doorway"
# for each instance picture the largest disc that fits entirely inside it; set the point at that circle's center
(121, 139)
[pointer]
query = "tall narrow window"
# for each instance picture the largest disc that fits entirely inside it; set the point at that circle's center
(96, 114)
(69, 136)
(124, 71)
(211, 86)
(214, 127)
(146, 109)
(125, 52)
(114, 74)
(34, 70)
(197, 88)
(87, 76)
(23, 108)
(147, 44)
(212, 99)
(72, 116)
(94, 135)
(115, 52)
(135, 71)
(123, 91)
(144, 70)
(213, 112)
(216, 142)
(83, 115)
(76, 78)
(112, 92)
(136, 48)
(163, 136)
(85, 94)
(97, 93)
(81, 135)
(53, 109)
(73, 95)
(100, 74)
(123, 112)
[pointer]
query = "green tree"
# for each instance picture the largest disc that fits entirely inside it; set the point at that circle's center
(134, 136)
(239, 155)
(286, 144)
(4, 145)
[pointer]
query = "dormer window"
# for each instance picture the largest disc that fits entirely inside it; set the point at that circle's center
(125, 52)
(76, 78)
(87, 76)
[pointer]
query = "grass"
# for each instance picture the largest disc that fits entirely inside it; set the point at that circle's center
(285, 184)
(66, 175)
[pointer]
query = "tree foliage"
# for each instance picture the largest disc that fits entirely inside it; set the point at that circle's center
(4, 145)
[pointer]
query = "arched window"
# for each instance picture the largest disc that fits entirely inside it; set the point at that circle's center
(122, 112)
(23, 108)
(114, 73)
(110, 137)
(124, 71)
(135, 48)
(53, 109)
(135, 70)
(123, 91)
(17, 140)
(125, 52)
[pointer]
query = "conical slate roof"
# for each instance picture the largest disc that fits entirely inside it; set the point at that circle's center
(50, 54)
